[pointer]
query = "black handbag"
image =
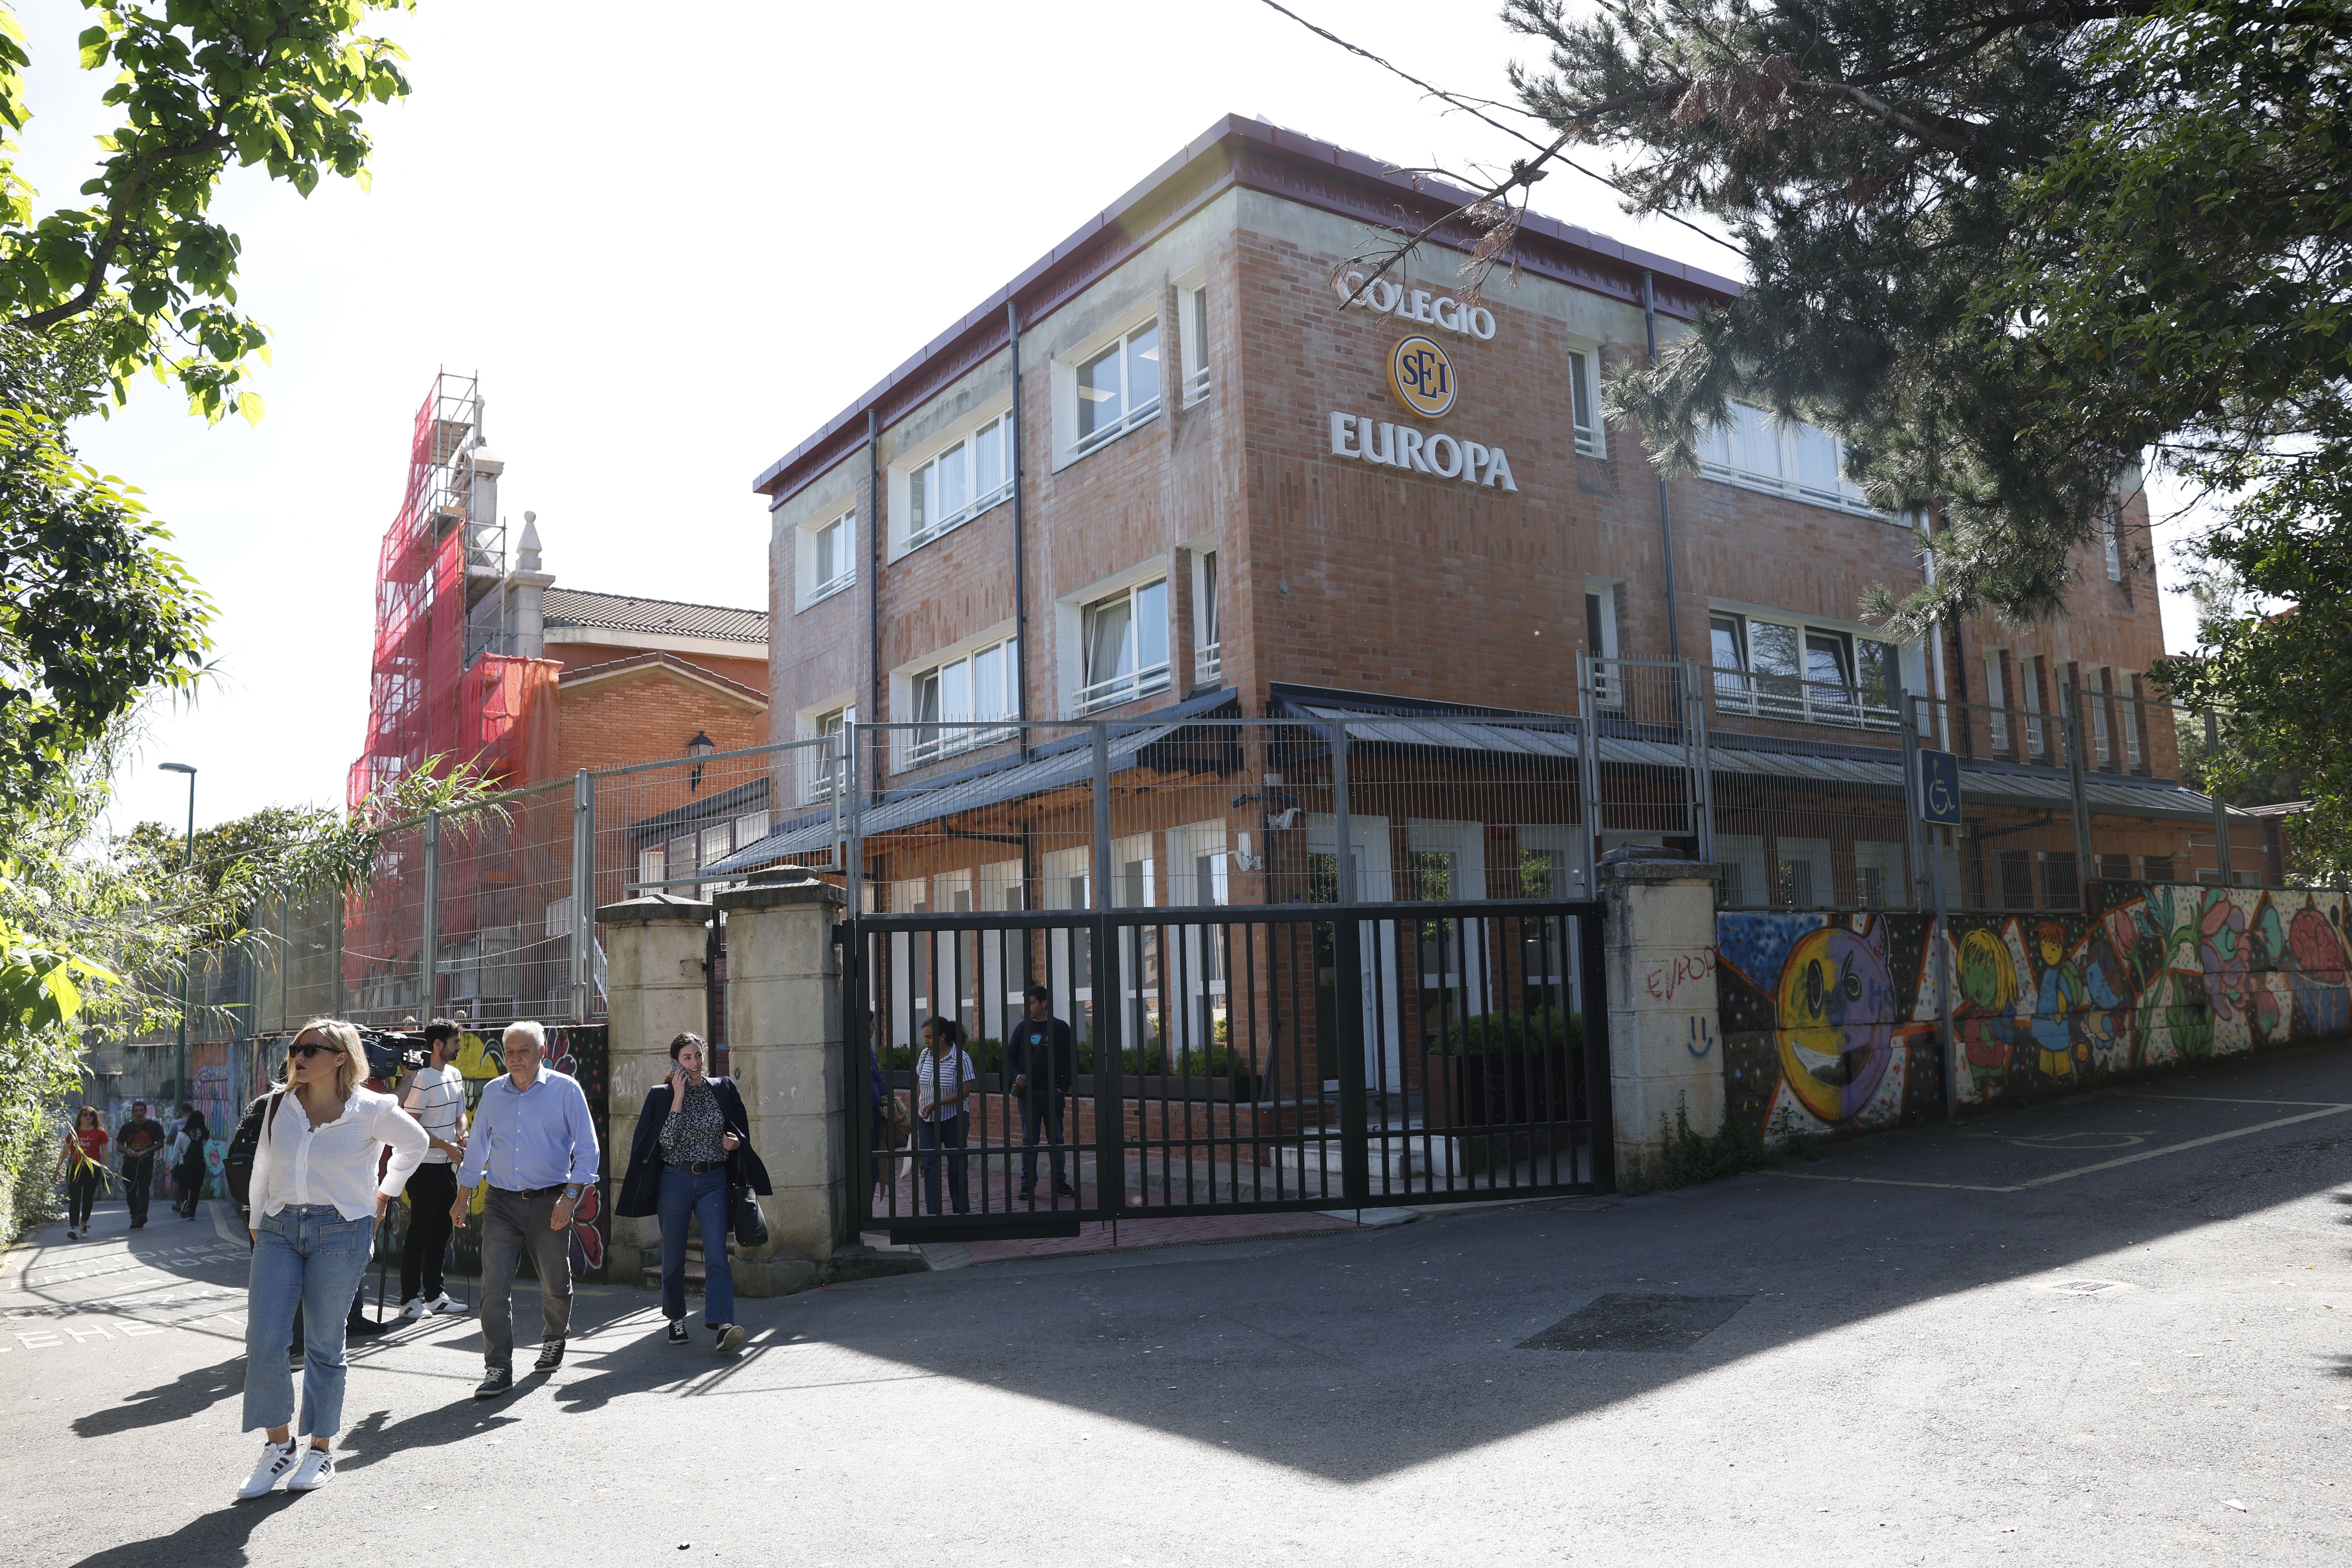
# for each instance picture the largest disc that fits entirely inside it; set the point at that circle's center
(750, 1226)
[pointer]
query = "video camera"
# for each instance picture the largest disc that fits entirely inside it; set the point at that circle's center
(390, 1052)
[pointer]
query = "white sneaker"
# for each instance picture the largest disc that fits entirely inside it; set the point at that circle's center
(276, 1460)
(444, 1302)
(413, 1307)
(317, 1468)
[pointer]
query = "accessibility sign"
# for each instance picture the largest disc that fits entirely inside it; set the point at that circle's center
(1940, 788)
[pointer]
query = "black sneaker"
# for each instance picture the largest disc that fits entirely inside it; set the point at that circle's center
(1064, 1190)
(551, 1356)
(731, 1336)
(677, 1334)
(1028, 1195)
(498, 1382)
(357, 1326)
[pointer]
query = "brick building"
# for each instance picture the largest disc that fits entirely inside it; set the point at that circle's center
(1212, 491)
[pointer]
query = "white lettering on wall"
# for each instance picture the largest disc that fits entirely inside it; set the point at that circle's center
(1390, 446)
(1442, 311)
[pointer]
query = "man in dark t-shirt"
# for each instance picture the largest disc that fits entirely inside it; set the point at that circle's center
(1041, 1067)
(137, 1142)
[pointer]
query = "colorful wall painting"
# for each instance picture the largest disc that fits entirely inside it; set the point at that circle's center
(1829, 1020)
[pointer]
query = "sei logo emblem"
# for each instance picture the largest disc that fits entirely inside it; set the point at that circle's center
(1421, 376)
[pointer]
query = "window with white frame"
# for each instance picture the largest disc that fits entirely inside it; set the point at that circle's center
(1601, 640)
(1758, 451)
(653, 866)
(2029, 685)
(1195, 331)
(957, 484)
(1584, 404)
(1117, 388)
(2110, 544)
(2129, 703)
(1125, 639)
(1996, 698)
(820, 765)
(1207, 656)
(2094, 696)
(963, 702)
(831, 560)
(1774, 668)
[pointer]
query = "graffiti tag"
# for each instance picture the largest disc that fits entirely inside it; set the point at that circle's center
(1665, 979)
(1701, 1036)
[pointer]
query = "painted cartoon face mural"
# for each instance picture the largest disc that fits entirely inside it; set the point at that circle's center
(1837, 1019)
(1836, 1014)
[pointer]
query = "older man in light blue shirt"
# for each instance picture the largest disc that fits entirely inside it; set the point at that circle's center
(535, 1142)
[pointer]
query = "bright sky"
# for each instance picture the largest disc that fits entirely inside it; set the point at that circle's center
(671, 251)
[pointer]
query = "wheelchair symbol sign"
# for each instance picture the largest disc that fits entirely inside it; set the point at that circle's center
(1940, 788)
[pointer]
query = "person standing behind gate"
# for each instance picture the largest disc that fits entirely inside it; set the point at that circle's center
(535, 1142)
(943, 1079)
(136, 1141)
(437, 1098)
(1043, 1065)
(693, 1150)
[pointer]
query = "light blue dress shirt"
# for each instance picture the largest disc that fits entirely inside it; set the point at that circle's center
(537, 1137)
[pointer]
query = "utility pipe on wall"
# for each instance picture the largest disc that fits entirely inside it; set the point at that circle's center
(1020, 551)
(874, 583)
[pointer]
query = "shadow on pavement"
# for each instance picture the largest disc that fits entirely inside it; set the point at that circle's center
(184, 1396)
(217, 1540)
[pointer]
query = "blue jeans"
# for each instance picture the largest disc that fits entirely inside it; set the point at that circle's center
(703, 1194)
(1041, 1108)
(305, 1254)
(947, 1132)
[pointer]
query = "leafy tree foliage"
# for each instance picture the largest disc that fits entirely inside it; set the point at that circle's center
(202, 84)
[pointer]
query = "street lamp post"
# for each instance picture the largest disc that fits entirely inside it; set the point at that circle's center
(188, 858)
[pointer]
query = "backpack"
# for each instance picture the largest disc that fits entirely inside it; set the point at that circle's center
(236, 1164)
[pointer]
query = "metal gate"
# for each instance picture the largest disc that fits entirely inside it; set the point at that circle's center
(1229, 1059)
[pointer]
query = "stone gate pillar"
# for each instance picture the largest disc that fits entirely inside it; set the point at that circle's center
(783, 1039)
(654, 991)
(1665, 1050)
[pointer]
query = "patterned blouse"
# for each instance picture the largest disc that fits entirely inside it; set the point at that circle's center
(694, 1129)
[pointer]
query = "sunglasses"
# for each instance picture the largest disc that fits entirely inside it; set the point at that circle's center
(310, 1048)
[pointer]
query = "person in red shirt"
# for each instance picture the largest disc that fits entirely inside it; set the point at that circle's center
(82, 1161)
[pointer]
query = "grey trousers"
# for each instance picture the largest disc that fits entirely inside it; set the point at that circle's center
(510, 1224)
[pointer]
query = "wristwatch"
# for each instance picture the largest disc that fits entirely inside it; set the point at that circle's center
(571, 1194)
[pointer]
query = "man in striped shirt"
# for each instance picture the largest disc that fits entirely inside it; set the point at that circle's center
(436, 1096)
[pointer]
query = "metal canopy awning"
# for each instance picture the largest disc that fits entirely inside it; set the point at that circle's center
(1626, 745)
(1065, 764)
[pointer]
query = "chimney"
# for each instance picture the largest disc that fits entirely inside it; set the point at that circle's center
(526, 614)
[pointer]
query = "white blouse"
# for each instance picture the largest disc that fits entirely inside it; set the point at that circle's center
(296, 1162)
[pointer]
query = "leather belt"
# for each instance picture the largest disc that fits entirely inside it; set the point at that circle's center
(534, 1192)
(696, 1166)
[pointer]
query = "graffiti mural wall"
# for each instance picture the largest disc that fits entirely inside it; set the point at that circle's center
(1830, 1021)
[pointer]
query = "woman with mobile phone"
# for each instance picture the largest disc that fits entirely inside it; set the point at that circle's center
(692, 1151)
(315, 1202)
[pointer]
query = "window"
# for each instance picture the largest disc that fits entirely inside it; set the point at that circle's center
(2128, 702)
(820, 765)
(1878, 875)
(1996, 698)
(835, 566)
(1801, 460)
(1118, 389)
(959, 484)
(963, 702)
(2114, 867)
(1601, 641)
(2016, 879)
(1783, 670)
(1196, 346)
(1584, 404)
(652, 867)
(2094, 696)
(2028, 681)
(1126, 643)
(1208, 659)
(2110, 545)
(716, 843)
(2155, 868)
(2061, 884)
(559, 918)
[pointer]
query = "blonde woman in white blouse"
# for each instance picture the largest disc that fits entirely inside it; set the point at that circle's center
(315, 1202)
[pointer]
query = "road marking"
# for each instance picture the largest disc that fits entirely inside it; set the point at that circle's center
(2102, 1165)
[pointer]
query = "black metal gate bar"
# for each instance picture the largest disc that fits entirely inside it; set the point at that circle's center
(1444, 1051)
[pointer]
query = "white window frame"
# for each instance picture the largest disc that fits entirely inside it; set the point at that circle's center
(2102, 741)
(2128, 699)
(1069, 445)
(2028, 673)
(1584, 403)
(805, 552)
(1996, 698)
(951, 736)
(1141, 679)
(1718, 455)
(962, 446)
(1601, 638)
(2110, 543)
(817, 776)
(1742, 691)
(1193, 330)
(1208, 635)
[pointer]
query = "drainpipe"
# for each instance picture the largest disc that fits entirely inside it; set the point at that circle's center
(874, 583)
(1665, 513)
(1020, 553)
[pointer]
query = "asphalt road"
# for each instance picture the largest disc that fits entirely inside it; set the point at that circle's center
(2107, 1331)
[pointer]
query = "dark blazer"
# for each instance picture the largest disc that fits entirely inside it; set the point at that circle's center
(641, 1189)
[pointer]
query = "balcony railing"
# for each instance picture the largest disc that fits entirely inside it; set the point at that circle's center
(1801, 701)
(959, 517)
(931, 742)
(1120, 688)
(1196, 387)
(1208, 663)
(1107, 434)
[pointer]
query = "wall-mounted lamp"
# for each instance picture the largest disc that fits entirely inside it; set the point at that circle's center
(699, 747)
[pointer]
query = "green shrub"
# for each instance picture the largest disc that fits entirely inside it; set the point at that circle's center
(1685, 1158)
(1508, 1032)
